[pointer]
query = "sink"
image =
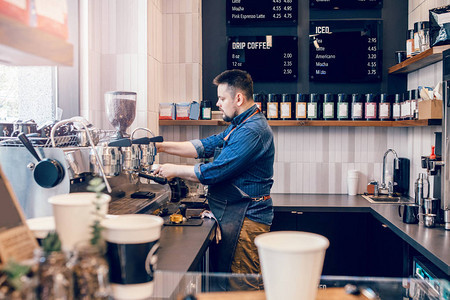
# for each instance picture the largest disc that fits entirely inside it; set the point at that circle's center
(385, 199)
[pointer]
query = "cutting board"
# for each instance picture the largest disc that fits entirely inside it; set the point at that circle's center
(322, 294)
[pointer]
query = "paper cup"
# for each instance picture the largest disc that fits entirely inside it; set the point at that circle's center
(352, 182)
(41, 226)
(132, 245)
(291, 263)
(74, 215)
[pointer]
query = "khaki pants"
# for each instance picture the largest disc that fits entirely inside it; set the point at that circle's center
(246, 260)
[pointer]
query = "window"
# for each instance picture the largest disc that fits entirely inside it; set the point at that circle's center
(27, 93)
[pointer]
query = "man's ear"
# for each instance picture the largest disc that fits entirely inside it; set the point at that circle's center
(239, 99)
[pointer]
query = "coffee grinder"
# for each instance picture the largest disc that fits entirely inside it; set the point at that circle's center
(430, 206)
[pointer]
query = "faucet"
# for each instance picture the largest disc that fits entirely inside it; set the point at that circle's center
(390, 186)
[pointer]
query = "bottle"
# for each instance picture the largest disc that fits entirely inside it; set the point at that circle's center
(357, 107)
(405, 109)
(206, 110)
(272, 106)
(416, 49)
(409, 43)
(313, 107)
(329, 107)
(300, 106)
(370, 107)
(424, 36)
(414, 96)
(384, 108)
(286, 106)
(343, 107)
(396, 107)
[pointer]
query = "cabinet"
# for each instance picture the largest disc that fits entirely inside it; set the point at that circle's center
(22, 45)
(359, 244)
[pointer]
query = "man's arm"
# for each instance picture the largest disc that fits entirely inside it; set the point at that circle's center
(182, 171)
(183, 149)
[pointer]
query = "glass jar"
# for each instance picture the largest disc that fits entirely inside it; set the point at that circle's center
(55, 276)
(313, 107)
(286, 106)
(329, 107)
(272, 106)
(396, 107)
(416, 49)
(301, 101)
(424, 36)
(343, 107)
(384, 108)
(206, 110)
(357, 107)
(91, 273)
(370, 107)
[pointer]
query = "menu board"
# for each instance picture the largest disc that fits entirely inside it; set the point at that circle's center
(266, 58)
(345, 51)
(345, 4)
(262, 12)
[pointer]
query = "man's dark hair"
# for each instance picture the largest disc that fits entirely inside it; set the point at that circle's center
(237, 80)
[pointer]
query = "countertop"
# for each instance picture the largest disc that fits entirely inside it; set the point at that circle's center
(433, 243)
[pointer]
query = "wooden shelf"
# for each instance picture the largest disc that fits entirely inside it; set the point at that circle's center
(421, 60)
(279, 123)
(21, 45)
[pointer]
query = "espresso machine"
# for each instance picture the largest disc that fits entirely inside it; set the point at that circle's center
(82, 153)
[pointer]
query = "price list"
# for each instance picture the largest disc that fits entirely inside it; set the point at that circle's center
(262, 12)
(345, 51)
(345, 4)
(266, 58)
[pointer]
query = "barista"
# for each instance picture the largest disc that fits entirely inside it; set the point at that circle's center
(240, 176)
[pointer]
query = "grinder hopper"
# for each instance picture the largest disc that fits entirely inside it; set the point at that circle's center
(121, 110)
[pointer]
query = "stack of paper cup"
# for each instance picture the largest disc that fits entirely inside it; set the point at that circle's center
(352, 182)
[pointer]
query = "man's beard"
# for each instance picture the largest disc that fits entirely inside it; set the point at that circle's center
(227, 118)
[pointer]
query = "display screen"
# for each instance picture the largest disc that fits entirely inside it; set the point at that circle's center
(345, 4)
(262, 12)
(345, 51)
(266, 58)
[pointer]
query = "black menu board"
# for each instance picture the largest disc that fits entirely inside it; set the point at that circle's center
(345, 4)
(345, 51)
(266, 58)
(262, 12)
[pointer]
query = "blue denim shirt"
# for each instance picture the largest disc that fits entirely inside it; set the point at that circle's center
(246, 160)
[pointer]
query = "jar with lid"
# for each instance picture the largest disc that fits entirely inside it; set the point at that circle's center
(343, 107)
(273, 101)
(357, 107)
(409, 42)
(55, 276)
(396, 107)
(329, 107)
(405, 109)
(301, 101)
(286, 106)
(313, 107)
(260, 102)
(370, 107)
(384, 108)
(206, 110)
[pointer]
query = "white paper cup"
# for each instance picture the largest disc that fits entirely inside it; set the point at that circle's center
(132, 245)
(352, 182)
(74, 215)
(291, 263)
(41, 226)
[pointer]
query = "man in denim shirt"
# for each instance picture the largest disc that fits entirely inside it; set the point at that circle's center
(239, 178)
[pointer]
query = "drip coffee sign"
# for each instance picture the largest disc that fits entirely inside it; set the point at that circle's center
(345, 4)
(345, 51)
(262, 12)
(16, 240)
(266, 58)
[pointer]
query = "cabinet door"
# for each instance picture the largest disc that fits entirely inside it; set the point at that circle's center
(284, 220)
